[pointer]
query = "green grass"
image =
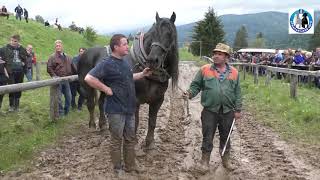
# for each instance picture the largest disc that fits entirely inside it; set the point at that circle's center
(25, 132)
(42, 38)
(184, 55)
(295, 119)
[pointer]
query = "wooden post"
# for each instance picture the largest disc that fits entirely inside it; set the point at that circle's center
(244, 72)
(268, 78)
(37, 71)
(293, 85)
(311, 68)
(54, 102)
(256, 73)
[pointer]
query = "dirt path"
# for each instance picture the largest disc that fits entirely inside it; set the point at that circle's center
(257, 151)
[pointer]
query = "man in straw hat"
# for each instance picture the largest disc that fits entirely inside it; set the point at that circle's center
(221, 101)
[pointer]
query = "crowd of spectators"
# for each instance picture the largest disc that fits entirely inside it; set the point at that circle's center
(289, 58)
(285, 57)
(17, 62)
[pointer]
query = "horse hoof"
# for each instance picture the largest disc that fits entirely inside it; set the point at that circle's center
(92, 125)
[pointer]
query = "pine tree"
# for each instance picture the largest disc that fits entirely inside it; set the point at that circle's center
(207, 34)
(240, 40)
(315, 39)
(259, 41)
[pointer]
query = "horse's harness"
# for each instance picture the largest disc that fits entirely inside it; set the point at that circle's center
(139, 55)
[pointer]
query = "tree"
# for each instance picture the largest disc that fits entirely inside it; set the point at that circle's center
(259, 35)
(90, 35)
(240, 40)
(259, 41)
(207, 34)
(39, 19)
(315, 39)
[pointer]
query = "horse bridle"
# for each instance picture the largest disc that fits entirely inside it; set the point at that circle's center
(166, 50)
(139, 55)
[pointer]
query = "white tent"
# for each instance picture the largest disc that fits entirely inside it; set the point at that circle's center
(257, 50)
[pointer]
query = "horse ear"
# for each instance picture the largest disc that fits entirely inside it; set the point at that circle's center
(157, 17)
(173, 17)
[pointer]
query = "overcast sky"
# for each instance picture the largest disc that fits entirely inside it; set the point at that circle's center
(112, 15)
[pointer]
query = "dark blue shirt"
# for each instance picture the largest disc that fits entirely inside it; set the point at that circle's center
(117, 74)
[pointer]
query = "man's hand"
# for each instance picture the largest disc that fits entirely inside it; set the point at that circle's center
(237, 115)
(146, 72)
(108, 91)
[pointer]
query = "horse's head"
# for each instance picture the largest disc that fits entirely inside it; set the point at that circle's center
(162, 39)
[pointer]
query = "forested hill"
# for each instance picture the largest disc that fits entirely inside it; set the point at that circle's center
(273, 25)
(42, 38)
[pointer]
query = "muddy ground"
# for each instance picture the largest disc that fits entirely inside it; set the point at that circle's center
(257, 151)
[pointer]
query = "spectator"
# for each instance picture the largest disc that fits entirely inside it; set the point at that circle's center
(4, 12)
(60, 65)
(3, 77)
(47, 24)
(308, 58)
(317, 56)
(298, 58)
(287, 58)
(278, 57)
(15, 57)
(31, 59)
(19, 12)
(75, 86)
(26, 14)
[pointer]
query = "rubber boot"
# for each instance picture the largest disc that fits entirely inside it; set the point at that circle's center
(129, 155)
(205, 158)
(116, 160)
(204, 163)
(226, 161)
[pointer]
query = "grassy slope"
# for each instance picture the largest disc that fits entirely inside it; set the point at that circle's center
(25, 132)
(43, 38)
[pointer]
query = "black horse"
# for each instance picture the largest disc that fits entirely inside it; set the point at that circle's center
(157, 49)
(304, 20)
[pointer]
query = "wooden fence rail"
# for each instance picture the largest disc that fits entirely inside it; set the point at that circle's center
(54, 90)
(293, 73)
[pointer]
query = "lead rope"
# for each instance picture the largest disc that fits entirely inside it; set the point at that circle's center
(186, 102)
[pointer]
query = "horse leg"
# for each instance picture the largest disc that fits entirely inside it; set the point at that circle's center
(102, 119)
(153, 111)
(90, 105)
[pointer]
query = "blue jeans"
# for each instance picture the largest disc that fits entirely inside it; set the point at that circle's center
(29, 74)
(65, 90)
(122, 126)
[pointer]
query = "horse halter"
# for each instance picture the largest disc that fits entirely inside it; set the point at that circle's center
(161, 46)
(142, 60)
(139, 55)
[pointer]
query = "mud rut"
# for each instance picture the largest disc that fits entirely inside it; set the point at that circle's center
(258, 152)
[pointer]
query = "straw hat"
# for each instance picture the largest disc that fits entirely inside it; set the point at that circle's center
(220, 47)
